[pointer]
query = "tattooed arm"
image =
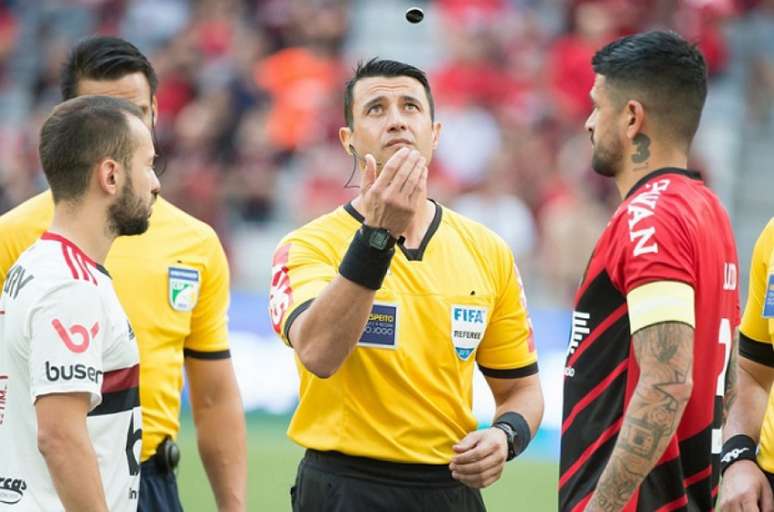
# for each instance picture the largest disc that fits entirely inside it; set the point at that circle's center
(732, 376)
(665, 355)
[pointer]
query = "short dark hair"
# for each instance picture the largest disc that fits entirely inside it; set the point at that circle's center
(80, 133)
(104, 58)
(663, 71)
(387, 68)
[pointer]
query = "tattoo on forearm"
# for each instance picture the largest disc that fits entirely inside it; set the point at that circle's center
(665, 354)
(731, 376)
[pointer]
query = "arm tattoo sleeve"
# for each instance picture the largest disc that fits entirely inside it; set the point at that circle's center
(665, 356)
(731, 376)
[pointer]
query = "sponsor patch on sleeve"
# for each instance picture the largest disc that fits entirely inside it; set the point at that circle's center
(768, 300)
(382, 327)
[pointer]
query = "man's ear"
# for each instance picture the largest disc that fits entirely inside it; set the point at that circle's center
(345, 137)
(436, 134)
(108, 176)
(635, 118)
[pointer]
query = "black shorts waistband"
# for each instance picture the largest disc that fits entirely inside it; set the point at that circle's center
(392, 473)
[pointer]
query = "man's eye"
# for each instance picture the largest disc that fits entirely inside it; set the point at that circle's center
(412, 106)
(374, 109)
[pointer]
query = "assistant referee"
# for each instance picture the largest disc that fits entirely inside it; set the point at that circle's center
(388, 302)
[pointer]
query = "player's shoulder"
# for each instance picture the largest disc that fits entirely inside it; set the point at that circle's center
(474, 232)
(327, 229)
(768, 231)
(35, 211)
(173, 224)
(50, 265)
(767, 238)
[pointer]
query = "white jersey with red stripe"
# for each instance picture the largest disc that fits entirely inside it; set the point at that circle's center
(63, 330)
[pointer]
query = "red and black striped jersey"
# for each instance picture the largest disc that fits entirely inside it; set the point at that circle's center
(670, 227)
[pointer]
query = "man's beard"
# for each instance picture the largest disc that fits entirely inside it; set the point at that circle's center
(606, 160)
(128, 215)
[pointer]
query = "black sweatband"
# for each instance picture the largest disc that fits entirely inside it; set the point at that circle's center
(364, 265)
(739, 447)
(520, 427)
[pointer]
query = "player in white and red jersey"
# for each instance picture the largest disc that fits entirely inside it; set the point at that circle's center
(70, 432)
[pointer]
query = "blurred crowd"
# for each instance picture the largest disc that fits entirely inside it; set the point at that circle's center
(251, 93)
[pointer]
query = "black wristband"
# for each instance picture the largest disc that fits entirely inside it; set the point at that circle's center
(364, 265)
(520, 427)
(739, 447)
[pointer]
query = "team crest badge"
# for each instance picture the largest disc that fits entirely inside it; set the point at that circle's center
(468, 324)
(768, 300)
(183, 288)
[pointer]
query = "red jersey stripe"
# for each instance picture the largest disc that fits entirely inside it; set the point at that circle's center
(674, 505)
(120, 380)
(596, 333)
(593, 394)
(69, 262)
(611, 431)
(698, 477)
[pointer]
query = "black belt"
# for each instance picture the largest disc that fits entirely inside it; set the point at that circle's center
(391, 473)
(166, 458)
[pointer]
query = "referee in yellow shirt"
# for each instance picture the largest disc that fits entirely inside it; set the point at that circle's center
(747, 458)
(389, 302)
(173, 283)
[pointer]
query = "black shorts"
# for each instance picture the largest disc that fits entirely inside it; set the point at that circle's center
(334, 482)
(158, 490)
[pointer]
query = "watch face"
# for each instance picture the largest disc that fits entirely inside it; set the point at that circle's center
(379, 239)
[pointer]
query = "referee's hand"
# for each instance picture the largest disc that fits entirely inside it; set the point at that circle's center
(480, 458)
(391, 199)
(744, 488)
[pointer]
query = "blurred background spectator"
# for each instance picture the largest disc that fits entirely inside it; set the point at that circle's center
(250, 101)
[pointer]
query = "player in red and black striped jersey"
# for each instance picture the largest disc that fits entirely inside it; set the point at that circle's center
(656, 310)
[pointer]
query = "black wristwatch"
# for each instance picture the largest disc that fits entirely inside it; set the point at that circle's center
(510, 436)
(378, 238)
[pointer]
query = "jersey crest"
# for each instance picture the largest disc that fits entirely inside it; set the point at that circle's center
(768, 302)
(183, 286)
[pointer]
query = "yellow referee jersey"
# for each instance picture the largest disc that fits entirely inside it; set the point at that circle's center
(405, 392)
(173, 283)
(757, 330)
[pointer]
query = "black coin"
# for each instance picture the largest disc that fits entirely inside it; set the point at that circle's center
(415, 15)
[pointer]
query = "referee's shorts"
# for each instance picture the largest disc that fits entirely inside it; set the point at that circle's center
(334, 482)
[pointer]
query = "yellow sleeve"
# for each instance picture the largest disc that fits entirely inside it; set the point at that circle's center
(756, 336)
(209, 318)
(508, 347)
(21, 227)
(300, 272)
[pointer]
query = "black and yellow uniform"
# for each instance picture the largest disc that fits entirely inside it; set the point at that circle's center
(173, 282)
(756, 332)
(405, 393)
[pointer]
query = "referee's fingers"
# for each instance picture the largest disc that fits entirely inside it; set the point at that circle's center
(474, 468)
(479, 453)
(467, 443)
(391, 167)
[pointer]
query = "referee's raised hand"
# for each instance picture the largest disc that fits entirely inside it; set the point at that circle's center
(392, 198)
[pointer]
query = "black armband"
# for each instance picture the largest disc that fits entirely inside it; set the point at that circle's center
(365, 265)
(516, 423)
(739, 447)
